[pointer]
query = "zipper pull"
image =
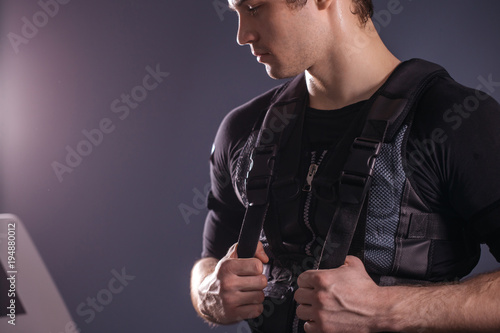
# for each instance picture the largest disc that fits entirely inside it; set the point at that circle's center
(310, 176)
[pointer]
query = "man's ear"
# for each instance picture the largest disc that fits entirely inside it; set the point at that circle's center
(324, 4)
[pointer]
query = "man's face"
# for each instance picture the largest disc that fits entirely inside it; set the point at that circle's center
(283, 38)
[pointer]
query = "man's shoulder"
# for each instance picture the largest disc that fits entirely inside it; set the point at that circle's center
(240, 121)
(446, 97)
(257, 105)
(445, 93)
(251, 109)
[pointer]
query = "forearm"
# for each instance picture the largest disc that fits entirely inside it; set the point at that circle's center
(200, 271)
(469, 306)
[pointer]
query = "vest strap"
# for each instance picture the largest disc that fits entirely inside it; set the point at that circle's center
(430, 226)
(390, 107)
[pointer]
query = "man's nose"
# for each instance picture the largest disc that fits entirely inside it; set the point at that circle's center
(246, 33)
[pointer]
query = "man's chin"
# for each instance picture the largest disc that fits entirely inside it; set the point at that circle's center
(278, 74)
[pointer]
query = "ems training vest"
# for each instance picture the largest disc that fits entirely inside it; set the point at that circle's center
(398, 233)
(365, 202)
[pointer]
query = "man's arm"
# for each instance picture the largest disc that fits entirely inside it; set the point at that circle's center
(469, 306)
(229, 290)
(347, 300)
(201, 269)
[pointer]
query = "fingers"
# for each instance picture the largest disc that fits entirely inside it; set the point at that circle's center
(261, 254)
(233, 299)
(305, 312)
(245, 267)
(250, 283)
(250, 297)
(234, 291)
(309, 315)
(242, 306)
(240, 300)
(305, 296)
(242, 274)
(311, 327)
(249, 311)
(308, 279)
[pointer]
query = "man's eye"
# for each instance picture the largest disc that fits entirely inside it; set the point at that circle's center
(253, 10)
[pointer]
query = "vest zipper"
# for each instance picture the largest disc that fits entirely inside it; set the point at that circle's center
(313, 168)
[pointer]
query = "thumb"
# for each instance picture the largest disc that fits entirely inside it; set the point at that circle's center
(353, 261)
(261, 254)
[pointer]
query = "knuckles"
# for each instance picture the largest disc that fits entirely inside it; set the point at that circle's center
(318, 280)
(258, 311)
(321, 297)
(260, 266)
(227, 283)
(227, 298)
(263, 281)
(255, 311)
(260, 298)
(231, 265)
(255, 264)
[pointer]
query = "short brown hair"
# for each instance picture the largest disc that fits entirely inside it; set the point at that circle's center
(362, 8)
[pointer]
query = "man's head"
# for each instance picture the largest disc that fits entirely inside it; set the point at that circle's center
(291, 36)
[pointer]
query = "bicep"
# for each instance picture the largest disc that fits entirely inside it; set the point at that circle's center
(226, 212)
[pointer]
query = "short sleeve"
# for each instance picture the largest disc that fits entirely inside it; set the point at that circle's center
(455, 144)
(226, 211)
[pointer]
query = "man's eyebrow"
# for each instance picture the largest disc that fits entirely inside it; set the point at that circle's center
(233, 4)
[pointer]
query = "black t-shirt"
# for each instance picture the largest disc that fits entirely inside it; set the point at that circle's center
(323, 131)
(452, 151)
(324, 128)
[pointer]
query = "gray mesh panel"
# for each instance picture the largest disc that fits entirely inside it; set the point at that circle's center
(384, 206)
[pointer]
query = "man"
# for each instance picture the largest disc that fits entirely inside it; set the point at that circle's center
(447, 169)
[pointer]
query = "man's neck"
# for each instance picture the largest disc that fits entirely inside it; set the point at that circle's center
(351, 73)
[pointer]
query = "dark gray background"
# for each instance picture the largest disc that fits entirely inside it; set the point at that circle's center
(120, 207)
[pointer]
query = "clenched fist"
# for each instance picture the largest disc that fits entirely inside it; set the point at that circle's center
(344, 299)
(234, 290)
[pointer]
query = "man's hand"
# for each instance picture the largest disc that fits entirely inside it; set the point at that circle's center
(338, 300)
(234, 290)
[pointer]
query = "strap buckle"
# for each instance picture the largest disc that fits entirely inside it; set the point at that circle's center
(259, 176)
(358, 170)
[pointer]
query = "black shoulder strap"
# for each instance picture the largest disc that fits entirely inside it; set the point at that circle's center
(274, 133)
(390, 105)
